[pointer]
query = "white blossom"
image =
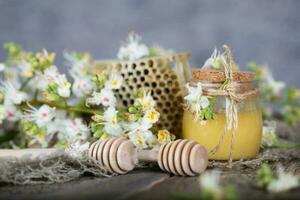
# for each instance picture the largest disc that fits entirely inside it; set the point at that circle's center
(26, 69)
(77, 149)
(270, 82)
(195, 100)
(138, 140)
(71, 59)
(115, 80)
(214, 61)
(58, 125)
(146, 101)
(40, 116)
(63, 86)
(55, 126)
(137, 126)
(105, 97)
(210, 182)
(110, 122)
(79, 67)
(151, 116)
(269, 135)
(12, 95)
(194, 93)
(11, 74)
(204, 102)
(82, 86)
(40, 81)
(133, 49)
(51, 75)
(76, 130)
(2, 67)
(12, 113)
(285, 181)
(139, 134)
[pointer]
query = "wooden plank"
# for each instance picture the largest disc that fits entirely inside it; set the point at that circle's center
(244, 183)
(88, 188)
(169, 187)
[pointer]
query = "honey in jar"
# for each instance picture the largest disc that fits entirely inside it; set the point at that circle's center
(248, 133)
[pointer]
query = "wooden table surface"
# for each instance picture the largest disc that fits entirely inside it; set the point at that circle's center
(139, 184)
(154, 184)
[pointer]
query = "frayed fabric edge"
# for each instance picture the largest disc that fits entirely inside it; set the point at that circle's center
(52, 169)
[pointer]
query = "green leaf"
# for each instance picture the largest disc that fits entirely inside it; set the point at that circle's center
(14, 50)
(264, 176)
(153, 52)
(208, 115)
(132, 110)
(230, 192)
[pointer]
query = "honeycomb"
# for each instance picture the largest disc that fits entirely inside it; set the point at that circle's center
(165, 76)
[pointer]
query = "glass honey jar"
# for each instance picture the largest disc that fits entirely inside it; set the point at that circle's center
(208, 132)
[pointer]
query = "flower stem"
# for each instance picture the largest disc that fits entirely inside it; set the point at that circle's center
(285, 145)
(7, 136)
(25, 83)
(36, 93)
(64, 107)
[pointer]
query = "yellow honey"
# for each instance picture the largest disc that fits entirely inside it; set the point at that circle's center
(208, 133)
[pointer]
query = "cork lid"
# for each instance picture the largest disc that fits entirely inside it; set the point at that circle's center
(219, 76)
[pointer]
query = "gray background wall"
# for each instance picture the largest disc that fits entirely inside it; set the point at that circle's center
(265, 31)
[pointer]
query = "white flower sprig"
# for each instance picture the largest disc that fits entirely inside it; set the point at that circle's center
(55, 85)
(285, 181)
(277, 96)
(105, 97)
(146, 101)
(52, 111)
(110, 121)
(270, 82)
(41, 116)
(198, 103)
(214, 61)
(210, 182)
(11, 94)
(136, 123)
(81, 71)
(269, 137)
(78, 150)
(278, 182)
(217, 60)
(133, 49)
(211, 187)
(76, 130)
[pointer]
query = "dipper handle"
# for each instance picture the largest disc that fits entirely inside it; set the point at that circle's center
(181, 157)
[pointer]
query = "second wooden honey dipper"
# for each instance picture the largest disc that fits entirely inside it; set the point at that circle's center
(181, 157)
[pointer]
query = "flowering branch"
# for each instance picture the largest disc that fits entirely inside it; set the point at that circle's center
(270, 138)
(276, 94)
(199, 104)
(280, 181)
(76, 109)
(133, 49)
(50, 110)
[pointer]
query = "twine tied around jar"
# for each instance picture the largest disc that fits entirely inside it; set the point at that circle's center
(229, 89)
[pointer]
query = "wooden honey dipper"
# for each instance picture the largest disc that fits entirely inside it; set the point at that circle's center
(181, 157)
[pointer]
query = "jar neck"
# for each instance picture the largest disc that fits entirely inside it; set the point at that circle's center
(238, 86)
